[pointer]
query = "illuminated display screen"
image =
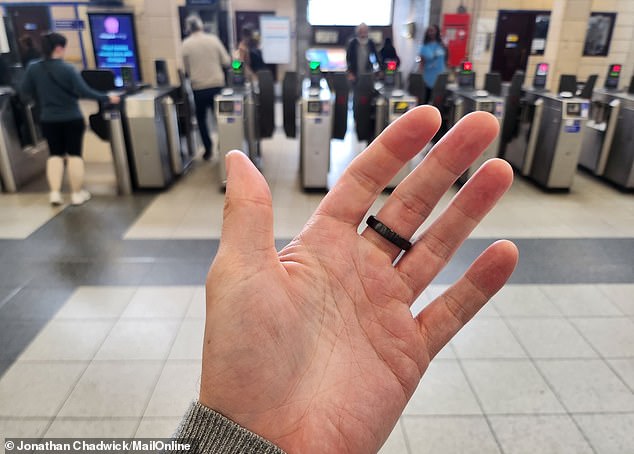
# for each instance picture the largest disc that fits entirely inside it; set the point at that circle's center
(314, 106)
(573, 109)
(349, 12)
(467, 67)
(225, 107)
(391, 65)
(615, 70)
(542, 69)
(114, 43)
(400, 107)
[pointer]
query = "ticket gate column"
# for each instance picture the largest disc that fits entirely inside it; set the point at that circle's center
(147, 125)
(316, 121)
(518, 133)
(619, 166)
(558, 141)
(601, 126)
(23, 150)
(323, 116)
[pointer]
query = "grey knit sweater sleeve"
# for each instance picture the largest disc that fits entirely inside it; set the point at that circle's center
(212, 433)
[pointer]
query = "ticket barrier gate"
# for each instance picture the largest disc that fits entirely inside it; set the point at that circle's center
(518, 134)
(245, 115)
(323, 116)
(548, 151)
(154, 147)
(608, 150)
(23, 150)
(608, 133)
(467, 99)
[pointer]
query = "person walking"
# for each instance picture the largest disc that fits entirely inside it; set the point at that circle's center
(388, 52)
(361, 54)
(57, 88)
(433, 58)
(205, 58)
(249, 53)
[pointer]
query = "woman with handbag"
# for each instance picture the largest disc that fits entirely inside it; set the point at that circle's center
(57, 88)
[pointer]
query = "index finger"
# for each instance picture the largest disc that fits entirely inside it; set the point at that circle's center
(371, 171)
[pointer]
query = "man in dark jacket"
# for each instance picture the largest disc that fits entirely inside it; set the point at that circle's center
(361, 54)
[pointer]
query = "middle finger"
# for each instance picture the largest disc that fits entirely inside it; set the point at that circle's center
(415, 197)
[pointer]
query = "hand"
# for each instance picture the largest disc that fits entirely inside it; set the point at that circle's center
(315, 348)
(114, 99)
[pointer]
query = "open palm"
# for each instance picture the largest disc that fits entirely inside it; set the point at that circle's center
(315, 348)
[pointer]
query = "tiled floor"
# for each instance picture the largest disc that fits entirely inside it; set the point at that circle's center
(102, 316)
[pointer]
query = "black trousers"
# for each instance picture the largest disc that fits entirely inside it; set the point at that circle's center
(64, 137)
(204, 100)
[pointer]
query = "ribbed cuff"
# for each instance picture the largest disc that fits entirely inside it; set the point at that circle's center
(212, 433)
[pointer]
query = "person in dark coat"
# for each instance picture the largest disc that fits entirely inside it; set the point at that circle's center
(388, 52)
(361, 54)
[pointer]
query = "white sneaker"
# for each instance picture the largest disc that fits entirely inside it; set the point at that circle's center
(55, 197)
(79, 198)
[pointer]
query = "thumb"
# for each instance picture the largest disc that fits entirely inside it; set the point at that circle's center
(247, 227)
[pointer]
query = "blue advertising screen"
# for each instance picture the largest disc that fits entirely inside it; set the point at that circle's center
(114, 43)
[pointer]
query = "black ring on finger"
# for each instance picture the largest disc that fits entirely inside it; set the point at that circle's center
(389, 234)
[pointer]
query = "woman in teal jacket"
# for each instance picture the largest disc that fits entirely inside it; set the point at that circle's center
(433, 58)
(57, 88)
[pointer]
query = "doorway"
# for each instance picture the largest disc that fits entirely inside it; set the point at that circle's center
(519, 34)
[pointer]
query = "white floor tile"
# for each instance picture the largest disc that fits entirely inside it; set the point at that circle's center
(551, 338)
(32, 211)
(21, 428)
(541, 434)
(395, 444)
(524, 301)
(92, 428)
(165, 302)
(449, 434)
(484, 338)
(612, 337)
(113, 389)
(189, 340)
(68, 340)
(96, 302)
(621, 296)
(587, 386)
(177, 387)
(138, 339)
(37, 389)
(580, 300)
(511, 387)
(609, 434)
(197, 305)
(443, 390)
(625, 369)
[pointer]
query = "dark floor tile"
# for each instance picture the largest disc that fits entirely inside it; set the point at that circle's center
(5, 293)
(199, 250)
(15, 272)
(74, 274)
(34, 304)
(16, 335)
(177, 273)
